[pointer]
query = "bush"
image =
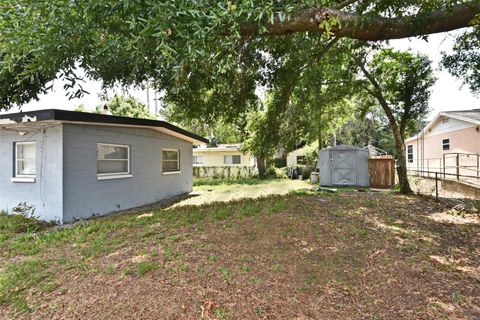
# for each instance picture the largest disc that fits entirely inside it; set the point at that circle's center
(276, 173)
(277, 163)
(18, 223)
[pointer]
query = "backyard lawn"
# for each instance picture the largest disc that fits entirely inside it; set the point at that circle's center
(300, 255)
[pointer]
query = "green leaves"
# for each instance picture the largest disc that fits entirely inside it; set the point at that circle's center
(183, 47)
(405, 81)
(464, 62)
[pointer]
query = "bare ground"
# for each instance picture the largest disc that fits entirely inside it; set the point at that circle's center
(348, 256)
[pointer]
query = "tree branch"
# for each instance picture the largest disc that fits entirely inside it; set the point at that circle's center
(377, 93)
(344, 4)
(371, 28)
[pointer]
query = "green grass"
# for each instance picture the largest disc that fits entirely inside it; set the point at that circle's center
(19, 277)
(271, 238)
(32, 256)
(220, 313)
(17, 223)
(84, 242)
(145, 267)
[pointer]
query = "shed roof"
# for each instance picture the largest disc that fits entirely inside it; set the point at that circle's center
(26, 119)
(345, 147)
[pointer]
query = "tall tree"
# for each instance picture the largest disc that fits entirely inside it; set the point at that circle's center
(401, 82)
(127, 107)
(218, 130)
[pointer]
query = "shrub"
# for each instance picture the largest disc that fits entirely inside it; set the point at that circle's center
(18, 223)
(277, 163)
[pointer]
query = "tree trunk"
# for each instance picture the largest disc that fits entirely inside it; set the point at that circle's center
(402, 164)
(397, 135)
(262, 168)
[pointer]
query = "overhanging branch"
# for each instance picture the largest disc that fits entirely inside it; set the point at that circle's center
(371, 28)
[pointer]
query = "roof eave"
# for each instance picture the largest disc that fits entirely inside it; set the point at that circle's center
(101, 119)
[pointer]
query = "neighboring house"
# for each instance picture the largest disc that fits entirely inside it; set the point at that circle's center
(450, 135)
(71, 165)
(299, 156)
(221, 156)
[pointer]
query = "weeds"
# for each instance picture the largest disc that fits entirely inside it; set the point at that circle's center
(145, 267)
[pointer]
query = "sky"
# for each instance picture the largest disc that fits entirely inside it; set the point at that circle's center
(447, 93)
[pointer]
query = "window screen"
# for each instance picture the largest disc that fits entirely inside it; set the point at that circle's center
(113, 159)
(233, 159)
(446, 144)
(170, 160)
(197, 159)
(410, 153)
(25, 159)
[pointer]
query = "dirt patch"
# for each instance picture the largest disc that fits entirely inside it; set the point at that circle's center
(347, 256)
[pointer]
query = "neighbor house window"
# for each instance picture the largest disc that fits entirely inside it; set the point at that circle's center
(234, 159)
(170, 160)
(197, 159)
(25, 159)
(300, 159)
(446, 144)
(410, 153)
(113, 160)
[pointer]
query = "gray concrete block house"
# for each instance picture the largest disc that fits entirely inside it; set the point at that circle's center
(72, 165)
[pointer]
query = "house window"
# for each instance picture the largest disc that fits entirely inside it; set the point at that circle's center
(170, 161)
(445, 120)
(197, 159)
(234, 159)
(113, 161)
(446, 144)
(25, 160)
(410, 153)
(300, 159)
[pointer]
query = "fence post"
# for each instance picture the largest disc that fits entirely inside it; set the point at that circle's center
(443, 166)
(428, 167)
(458, 166)
(436, 185)
(478, 165)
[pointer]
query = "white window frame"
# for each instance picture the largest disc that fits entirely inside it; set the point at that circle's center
(115, 175)
(23, 177)
(445, 144)
(196, 158)
(178, 162)
(409, 153)
(232, 164)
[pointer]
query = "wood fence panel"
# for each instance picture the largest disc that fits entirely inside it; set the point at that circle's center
(382, 172)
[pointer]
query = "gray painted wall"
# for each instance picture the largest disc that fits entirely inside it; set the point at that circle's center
(85, 196)
(46, 192)
(359, 158)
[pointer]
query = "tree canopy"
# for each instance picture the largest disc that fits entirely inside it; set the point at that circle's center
(189, 48)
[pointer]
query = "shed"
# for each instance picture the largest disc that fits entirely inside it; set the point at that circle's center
(343, 165)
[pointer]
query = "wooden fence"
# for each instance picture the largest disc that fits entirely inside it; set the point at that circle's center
(382, 172)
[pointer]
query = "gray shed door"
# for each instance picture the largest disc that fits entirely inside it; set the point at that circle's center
(343, 168)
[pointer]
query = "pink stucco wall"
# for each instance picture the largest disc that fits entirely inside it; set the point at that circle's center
(461, 141)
